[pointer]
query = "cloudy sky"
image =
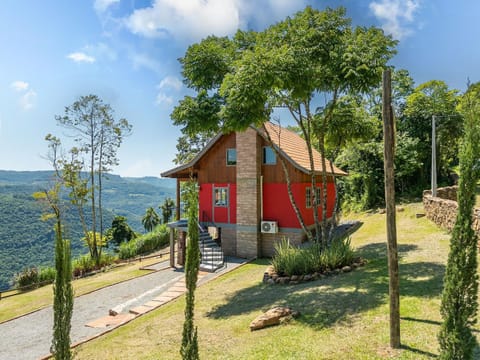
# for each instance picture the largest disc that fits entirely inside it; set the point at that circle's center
(126, 51)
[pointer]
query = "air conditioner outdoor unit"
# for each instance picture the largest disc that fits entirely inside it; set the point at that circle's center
(269, 227)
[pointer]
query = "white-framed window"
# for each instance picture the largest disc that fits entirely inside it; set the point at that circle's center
(231, 157)
(269, 157)
(308, 196)
(220, 196)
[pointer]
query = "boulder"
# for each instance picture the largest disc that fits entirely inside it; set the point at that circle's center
(272, 317)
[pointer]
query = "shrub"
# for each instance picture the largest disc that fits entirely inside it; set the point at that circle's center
(27, 279)
(291, 260)
(46, 275)
(85, 264)
(145, 244)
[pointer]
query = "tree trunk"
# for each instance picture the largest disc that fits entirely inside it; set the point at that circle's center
(389, 153)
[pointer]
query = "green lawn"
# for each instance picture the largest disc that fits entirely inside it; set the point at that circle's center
(342, 317)
(24, 303)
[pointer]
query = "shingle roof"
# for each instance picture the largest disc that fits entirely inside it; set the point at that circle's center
(293, 147)
(290, 145)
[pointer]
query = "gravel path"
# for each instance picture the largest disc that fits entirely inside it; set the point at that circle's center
(29, 337)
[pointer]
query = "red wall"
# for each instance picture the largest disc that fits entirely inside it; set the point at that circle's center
(277, 206)
(219, 214)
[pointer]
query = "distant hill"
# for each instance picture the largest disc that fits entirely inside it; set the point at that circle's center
(25, 240)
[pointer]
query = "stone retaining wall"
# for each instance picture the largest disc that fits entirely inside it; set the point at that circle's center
(442, 209)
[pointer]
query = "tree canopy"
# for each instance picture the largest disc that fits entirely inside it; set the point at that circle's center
(303, 64)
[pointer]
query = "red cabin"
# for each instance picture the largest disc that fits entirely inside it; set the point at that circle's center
(243, 188)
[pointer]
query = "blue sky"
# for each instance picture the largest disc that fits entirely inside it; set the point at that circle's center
(126, 51)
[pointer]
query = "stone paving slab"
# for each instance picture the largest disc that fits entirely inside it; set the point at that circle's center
(153, 304)
(109, 320)
(139, 310)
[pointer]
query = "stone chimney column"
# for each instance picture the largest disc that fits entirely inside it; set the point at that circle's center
(249, 164)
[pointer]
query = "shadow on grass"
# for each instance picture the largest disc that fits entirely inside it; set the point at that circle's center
(325, 302)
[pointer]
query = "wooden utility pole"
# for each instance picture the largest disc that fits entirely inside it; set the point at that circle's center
(389, 152)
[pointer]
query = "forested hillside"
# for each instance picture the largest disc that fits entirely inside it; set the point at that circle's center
(26, 240)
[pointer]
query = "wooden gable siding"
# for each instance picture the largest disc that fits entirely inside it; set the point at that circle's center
(212, 168)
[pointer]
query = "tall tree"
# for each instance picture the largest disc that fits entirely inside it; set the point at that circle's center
(304, 64)
(429, 99)
(150, 219)
(167, 210)
(459, 298)
(62, 287)
(189, 348)
(98, 136)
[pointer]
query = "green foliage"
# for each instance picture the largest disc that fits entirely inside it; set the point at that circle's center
(189, 348)
(27, 279)
(312, 54)
(428, 99)
(150, 219)
(291, 260)
(27, 241)
(84, 264)
(167, 210)
(145, 244)
(459, 298)
(120, 231)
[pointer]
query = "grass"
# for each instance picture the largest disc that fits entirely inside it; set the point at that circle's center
(14, 306)
(342, 317)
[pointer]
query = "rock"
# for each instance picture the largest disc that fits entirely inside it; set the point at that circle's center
(283, 280)
(294, 277)
(355, 265)
(346, 269)
(273, 316)
(400, 209)
(293, 282)
(112, 312)
(270, 270)
(307, 277)
(382, 211)
(270, 281)
(419, 215)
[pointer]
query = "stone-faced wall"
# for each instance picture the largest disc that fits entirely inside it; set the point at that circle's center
(442, 209)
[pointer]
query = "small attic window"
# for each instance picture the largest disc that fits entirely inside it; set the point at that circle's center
(269, 157)
(231, 156)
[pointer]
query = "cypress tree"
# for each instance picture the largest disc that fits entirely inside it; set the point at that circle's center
(62, 293)
(459, 297)
(189, 349)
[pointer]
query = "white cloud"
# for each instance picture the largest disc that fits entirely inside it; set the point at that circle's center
(395, 15)
(145, 61)
(28, 95)
(27, 101)
(19, 85)
(102, 5)
(186, 19)
(81, 57)
(170, 82)
(162, 98)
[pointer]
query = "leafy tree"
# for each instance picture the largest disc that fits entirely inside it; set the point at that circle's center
(167, 210)
(428, 99)
(120, 231)
(459, 298)
(190, 145)
(62, 287)
(98, 136)
(295, 64)
(189, 348)
(150, 219)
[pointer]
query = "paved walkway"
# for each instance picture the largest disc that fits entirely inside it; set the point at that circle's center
(29, 337)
